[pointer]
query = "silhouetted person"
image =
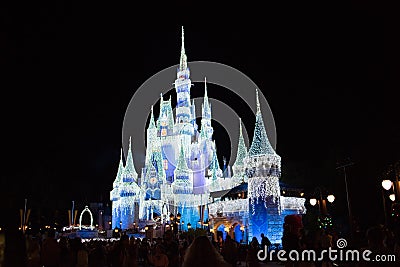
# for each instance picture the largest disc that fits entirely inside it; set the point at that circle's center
(65, 253)
(230, 251)
(15, 248)
(50, 253)
(251, 257)
(171, 249)
(376, 245)
(202, 253)
(33, 251)
(158, 258)
(265, 243)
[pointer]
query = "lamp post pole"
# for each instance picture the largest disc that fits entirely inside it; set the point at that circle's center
(397, 186)
(384, 207)
(347, 197)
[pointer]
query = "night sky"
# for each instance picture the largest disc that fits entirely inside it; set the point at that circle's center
(331, 79)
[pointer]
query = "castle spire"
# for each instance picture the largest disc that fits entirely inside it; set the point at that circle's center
(120, 172)
(130, 167)
(182, 166)
(240, 128)
(205, 87)
(242, 149)
(183, 61)
(206, 105)
(260, 144)
(152, 124)
(258, 102)
(214, 165)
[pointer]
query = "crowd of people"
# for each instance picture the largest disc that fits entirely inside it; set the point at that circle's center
(184, 250)
(169, 251)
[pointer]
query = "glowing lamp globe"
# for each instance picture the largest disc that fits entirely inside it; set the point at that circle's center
(331, 198)
(392, 197)
(387, 184)
(226, 229)
(313, 201)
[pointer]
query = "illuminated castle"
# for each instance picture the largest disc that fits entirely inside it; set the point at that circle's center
(182, 175)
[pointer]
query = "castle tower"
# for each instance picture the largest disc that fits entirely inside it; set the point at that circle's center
(263, 171)
(206, 129)
(182, 183)
(130, 174)
(153, 150)
(114, 195)
(183, 126)
(151, 140)
(166, 131)
(128, 192)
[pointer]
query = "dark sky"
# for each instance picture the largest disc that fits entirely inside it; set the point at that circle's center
(331, 78)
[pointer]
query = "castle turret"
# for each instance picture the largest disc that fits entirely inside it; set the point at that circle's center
(166, 119)
(152, 139)
(206, 128)
(130, 174)
(114, 194)
(263, 185)
(183, 124)
(182, 183)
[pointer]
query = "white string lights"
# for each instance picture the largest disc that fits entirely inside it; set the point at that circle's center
(178, 151)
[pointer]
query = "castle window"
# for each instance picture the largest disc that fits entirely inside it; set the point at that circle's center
(165, 164)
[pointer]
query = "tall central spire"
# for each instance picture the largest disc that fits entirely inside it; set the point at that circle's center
(258, 102)
(206, 105)
(183, 61)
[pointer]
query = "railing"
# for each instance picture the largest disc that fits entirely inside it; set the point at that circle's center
(229, 206)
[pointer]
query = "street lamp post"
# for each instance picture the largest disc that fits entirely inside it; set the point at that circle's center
(242, 229)
(178, 221)
(175, 222)
(386, 185)
(322, 202)
(347, 196)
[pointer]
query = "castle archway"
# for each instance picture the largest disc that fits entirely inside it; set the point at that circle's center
(91, 218)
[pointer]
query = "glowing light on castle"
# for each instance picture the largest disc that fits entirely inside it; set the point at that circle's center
(182, 174)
